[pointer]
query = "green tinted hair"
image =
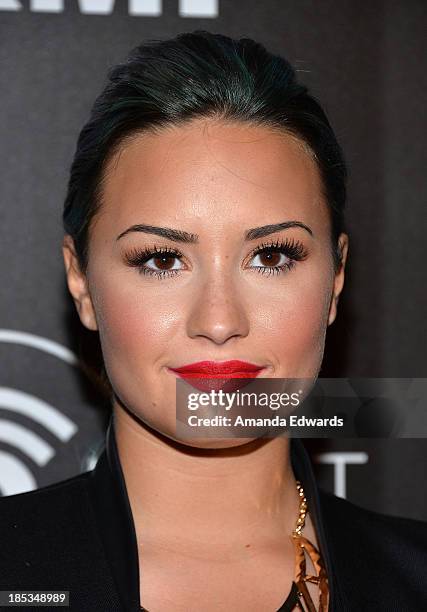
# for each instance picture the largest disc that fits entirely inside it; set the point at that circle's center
(198, 75)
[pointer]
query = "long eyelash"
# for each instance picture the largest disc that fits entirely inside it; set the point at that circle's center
(293, 249)
(136, 258)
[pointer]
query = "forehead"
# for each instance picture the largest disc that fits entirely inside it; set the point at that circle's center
(209, 168)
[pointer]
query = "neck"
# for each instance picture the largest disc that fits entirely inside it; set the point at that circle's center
(186, 496)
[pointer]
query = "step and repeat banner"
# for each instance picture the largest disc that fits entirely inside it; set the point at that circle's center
(365, 62)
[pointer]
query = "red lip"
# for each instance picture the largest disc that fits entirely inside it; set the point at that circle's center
(214, 369)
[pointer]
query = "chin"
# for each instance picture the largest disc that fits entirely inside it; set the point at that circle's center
(215, 443)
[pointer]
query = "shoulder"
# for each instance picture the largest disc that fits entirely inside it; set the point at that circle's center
(347, 517)
(379, 559)
(43, 528)
(50, 541)
(39, 504)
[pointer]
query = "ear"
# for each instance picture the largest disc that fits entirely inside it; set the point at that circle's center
(78, 285)
(339, 278)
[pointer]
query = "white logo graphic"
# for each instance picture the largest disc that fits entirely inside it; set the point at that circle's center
(137, 8)
(339, 460)
(15, 477)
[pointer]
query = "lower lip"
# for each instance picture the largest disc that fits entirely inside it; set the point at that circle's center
(227, 382)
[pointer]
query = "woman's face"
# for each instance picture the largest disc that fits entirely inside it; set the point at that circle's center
(213, 297)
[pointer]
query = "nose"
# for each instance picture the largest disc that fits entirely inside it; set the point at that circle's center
(216, 311)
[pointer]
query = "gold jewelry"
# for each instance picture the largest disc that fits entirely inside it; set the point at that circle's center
(304, 547)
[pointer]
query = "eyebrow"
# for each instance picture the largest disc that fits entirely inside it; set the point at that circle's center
(182, 236)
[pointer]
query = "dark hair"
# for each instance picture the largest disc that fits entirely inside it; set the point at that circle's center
(198, 74)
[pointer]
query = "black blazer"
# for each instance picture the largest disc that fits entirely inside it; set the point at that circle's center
(78, 535)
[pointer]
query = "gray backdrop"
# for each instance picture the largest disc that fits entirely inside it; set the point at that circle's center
(366, 63)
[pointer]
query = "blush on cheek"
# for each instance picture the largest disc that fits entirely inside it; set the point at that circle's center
(136, 329)
(298, 324)
(126, 332)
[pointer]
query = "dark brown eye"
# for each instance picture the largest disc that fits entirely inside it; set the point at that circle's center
(278, 256)
(155, 262)
(164, 262)
(270, 258)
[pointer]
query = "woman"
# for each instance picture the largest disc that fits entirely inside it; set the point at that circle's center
(204, 223)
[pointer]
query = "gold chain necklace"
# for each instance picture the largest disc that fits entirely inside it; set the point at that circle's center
(304, 547)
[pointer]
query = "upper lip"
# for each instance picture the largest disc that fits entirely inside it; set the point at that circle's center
(218, 367)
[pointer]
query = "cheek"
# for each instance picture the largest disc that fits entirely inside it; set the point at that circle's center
(296, 323)
(135, 326)
(135, 330)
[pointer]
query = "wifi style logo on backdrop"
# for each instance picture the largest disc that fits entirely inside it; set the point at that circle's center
(40, 406)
